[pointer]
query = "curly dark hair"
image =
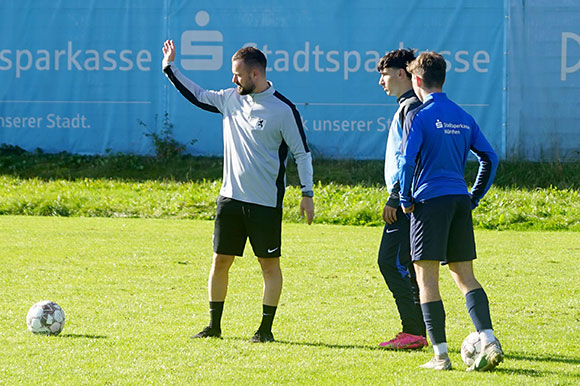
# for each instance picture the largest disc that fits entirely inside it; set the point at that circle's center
(397, 59)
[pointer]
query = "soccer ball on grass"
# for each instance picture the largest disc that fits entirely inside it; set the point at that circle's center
(45, 318)
(470, 347)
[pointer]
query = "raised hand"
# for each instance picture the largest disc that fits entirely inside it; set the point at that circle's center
(169, 51)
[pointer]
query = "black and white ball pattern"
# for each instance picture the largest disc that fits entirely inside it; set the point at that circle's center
(46, 318)
(470, 347)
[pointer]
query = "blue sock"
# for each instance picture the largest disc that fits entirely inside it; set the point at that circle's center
(478, 308)
(434, 317)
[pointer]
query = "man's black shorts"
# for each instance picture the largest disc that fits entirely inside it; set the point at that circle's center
(236, 221)
(442, 229)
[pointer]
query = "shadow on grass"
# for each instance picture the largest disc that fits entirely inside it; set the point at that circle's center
(332, 346)
(502, 369)
(543, 358)
(536, 373)
(510, 356)
(327, 345)
(85, 336)
(524, 372)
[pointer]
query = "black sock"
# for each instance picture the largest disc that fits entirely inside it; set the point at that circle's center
(215, 313)
(478, 308)
(434, 316)
(267, 318)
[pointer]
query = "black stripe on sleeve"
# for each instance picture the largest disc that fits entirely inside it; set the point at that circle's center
(280, 183)
(296, 117)
(408, 104)
(186, 93)
(483, 174)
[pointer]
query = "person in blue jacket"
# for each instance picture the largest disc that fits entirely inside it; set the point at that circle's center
(394, 252)
(437, 139)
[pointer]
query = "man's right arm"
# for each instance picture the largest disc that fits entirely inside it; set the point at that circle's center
(390, 208)
(212, 101)
(393, 202)
(412, 140)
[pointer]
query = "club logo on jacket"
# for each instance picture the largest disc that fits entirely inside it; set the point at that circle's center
(260, 124)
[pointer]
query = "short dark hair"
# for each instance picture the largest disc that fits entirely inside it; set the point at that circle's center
(430, 66)
(252, 57)
(397, 59)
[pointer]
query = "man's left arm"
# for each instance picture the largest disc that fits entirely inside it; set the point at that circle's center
(295, 138)
(488, 162)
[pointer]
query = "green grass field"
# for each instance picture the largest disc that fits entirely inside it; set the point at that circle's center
(524, 196)
(134, 291)
(501, 209)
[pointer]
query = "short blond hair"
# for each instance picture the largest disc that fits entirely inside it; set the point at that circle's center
(430, 66)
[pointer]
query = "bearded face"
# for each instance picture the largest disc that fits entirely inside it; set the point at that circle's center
(243, 77)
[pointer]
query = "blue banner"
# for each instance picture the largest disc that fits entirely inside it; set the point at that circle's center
(85, 77)
(544, 81)
(76, 76)
(323, 57)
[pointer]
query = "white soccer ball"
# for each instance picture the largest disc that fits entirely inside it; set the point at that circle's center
(45, 318)
(470, 347)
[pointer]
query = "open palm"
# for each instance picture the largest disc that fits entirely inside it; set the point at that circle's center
(169, 51)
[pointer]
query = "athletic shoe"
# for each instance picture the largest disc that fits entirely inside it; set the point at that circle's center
(208, 332)
(438, 362)
(262, 337)
(489, 358)
(404, 341)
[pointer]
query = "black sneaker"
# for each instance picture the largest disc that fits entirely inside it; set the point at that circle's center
(262, 337)
(208, 332)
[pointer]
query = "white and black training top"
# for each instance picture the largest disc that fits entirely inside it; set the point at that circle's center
(258, 131)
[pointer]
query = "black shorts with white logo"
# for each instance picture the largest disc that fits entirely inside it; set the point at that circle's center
(236, 221)
(442, 229)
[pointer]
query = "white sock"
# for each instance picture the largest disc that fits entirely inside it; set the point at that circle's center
(440, 348)
(486, 336)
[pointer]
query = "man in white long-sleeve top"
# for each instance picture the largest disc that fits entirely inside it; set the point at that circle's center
(260, 127)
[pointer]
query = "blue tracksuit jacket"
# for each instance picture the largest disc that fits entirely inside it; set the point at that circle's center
(437, 138)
